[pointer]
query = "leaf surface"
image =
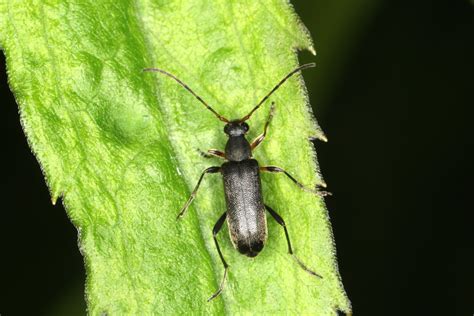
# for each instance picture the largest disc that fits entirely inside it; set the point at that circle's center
(120, 147)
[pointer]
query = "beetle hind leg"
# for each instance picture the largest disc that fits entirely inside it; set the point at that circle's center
(215, 231)
(280, 221)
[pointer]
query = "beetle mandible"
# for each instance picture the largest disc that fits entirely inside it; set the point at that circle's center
(245, 213)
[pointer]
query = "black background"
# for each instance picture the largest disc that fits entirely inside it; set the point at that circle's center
(399, 163)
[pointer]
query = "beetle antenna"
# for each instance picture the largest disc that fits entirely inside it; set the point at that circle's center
(310, 65)
(185, 86)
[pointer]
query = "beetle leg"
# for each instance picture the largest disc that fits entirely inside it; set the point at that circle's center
(211, 153)
(275, 169)
(215, 231)
(261, 137)
(290, 250)
(193, 194)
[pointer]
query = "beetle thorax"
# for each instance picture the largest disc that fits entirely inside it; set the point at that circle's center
(237, 148)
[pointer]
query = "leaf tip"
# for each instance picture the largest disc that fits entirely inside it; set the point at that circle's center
(320, 137)
(55, 195)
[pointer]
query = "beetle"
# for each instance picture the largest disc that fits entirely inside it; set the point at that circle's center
(246, 217)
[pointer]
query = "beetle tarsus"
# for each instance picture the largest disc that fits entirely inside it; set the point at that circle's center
(261, 137)
(215, 231)
(221, 286)
(280, 221)
(186, 206)
(203, 153)
(211, 153)
(304, 267)
(323, 193)
(275, 169)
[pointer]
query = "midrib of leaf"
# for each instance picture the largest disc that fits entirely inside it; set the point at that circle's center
(242, 49)
(190, 183)
(139, 17)
(271, 283)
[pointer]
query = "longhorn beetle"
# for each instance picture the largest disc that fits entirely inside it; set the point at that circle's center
(243, 193)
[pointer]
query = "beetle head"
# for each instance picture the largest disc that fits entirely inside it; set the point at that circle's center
(236, 128)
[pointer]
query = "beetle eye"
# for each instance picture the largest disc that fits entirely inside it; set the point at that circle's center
(245, 126)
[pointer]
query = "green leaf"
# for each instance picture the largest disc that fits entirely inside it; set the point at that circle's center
(119, 146)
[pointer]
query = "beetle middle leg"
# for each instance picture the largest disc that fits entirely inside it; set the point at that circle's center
(261, 137)
(290, 250)
(215, 231)
(193, 194)
(275, 169)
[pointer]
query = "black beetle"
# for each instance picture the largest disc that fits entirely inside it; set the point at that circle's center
(243, 191)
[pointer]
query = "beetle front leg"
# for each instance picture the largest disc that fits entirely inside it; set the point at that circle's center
(261, 137)
(215, 231)
(211, 153)
(193, 194)
(290, 250)
(275, 169)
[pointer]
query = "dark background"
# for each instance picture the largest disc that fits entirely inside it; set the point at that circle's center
(393, 92)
